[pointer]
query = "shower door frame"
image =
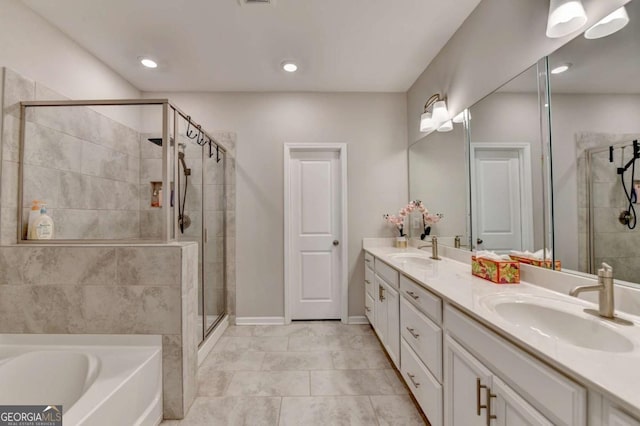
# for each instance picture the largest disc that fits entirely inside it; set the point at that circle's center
(170, 222)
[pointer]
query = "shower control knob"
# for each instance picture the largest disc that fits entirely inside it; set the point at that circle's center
(336, 242)
(479, 241)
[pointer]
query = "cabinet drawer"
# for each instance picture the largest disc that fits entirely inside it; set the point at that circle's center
(369, 281)
(369, 308)
(386, 272)
(368, 259)
(423, 335)
(555, 396)
(426, 301)
(423, 385)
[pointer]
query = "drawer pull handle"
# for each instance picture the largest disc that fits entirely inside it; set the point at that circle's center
(368, 260)
(367, 308)
(381, 293)
(413, 333)
(411, 376)
(367, 281)
(489, 415)
(413, 295)
(479, 387)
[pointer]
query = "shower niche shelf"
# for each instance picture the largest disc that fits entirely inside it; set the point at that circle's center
(156, 194)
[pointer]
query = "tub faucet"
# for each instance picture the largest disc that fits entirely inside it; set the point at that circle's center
(605, 291)
(456, 242)
(434, 248)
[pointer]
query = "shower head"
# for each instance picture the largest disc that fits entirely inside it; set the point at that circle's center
(158, 141)
(187, 171)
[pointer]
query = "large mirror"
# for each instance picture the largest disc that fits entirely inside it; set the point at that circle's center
(438, 176)
(505, 152)
(595, 116)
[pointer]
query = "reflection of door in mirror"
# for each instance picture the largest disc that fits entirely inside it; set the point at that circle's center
(595, 104)
(506, 181)
(501, 196)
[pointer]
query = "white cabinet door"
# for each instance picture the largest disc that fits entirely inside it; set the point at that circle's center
(510, 409)
(380, 309)
(467, 383)
(392, 343)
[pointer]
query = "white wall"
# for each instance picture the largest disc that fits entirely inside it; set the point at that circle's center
(571, 114)
(37, 50)
(373, 126)
(499, 40)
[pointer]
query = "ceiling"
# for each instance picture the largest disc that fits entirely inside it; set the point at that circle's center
(221, 45)
(608, 65)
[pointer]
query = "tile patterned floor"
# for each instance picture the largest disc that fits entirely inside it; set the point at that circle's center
(310, 373)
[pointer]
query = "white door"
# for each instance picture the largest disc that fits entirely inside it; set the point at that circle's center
(315, 248)
(501, 194)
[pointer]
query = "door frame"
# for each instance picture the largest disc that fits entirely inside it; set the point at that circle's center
(341, 148)
(526, 201)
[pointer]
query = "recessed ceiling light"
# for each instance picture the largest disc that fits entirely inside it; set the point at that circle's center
(149, 63)
(560, 69)
(289, 66)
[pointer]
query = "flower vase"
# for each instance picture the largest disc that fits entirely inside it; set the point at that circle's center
(401, 242)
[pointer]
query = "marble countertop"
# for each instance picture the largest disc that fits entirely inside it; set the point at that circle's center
(616, 375)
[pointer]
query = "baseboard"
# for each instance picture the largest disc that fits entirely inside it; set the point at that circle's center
(211, 341)
(259, 320)
(358, 319)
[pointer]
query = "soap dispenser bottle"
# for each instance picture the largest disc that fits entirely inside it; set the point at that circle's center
(33, 215)
(43, 226)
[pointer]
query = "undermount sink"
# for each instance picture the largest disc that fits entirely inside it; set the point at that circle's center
(561, 320)
(414, 259)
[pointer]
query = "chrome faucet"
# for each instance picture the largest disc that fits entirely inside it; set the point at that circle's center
(434, 248)
(605, 291)
(456, 242)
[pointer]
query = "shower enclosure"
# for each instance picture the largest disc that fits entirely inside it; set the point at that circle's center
(134, 171)
(610, 217)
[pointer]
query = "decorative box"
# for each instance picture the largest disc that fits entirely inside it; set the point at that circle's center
(499, 272)
(537, 262)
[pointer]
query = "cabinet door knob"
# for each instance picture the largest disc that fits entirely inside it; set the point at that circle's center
(411, 377)
(412, 294)
(413, 333)
(489, 415)
(479, 405)
(336, 242)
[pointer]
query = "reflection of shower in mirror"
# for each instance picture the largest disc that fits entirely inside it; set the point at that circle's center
(628, 217)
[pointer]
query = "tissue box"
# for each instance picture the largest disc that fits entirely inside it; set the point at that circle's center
(503, 272)
(537, 262)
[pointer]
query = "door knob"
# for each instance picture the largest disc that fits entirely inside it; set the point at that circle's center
(336, 242)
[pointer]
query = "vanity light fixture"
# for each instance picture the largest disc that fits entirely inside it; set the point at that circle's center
(613, 22)
(561, 68)
(565, 17)
(289, 66)
(447, 126)
(430, 121)
(149, 63)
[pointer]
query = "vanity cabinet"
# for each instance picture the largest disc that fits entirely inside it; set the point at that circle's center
(421, 346)
(369, 292)
(503, 381)
(382, 304)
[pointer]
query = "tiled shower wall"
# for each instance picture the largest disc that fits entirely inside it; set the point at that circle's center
(84, 165)
(613, 242)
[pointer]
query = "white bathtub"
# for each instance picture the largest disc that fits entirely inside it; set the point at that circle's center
(98, 379)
